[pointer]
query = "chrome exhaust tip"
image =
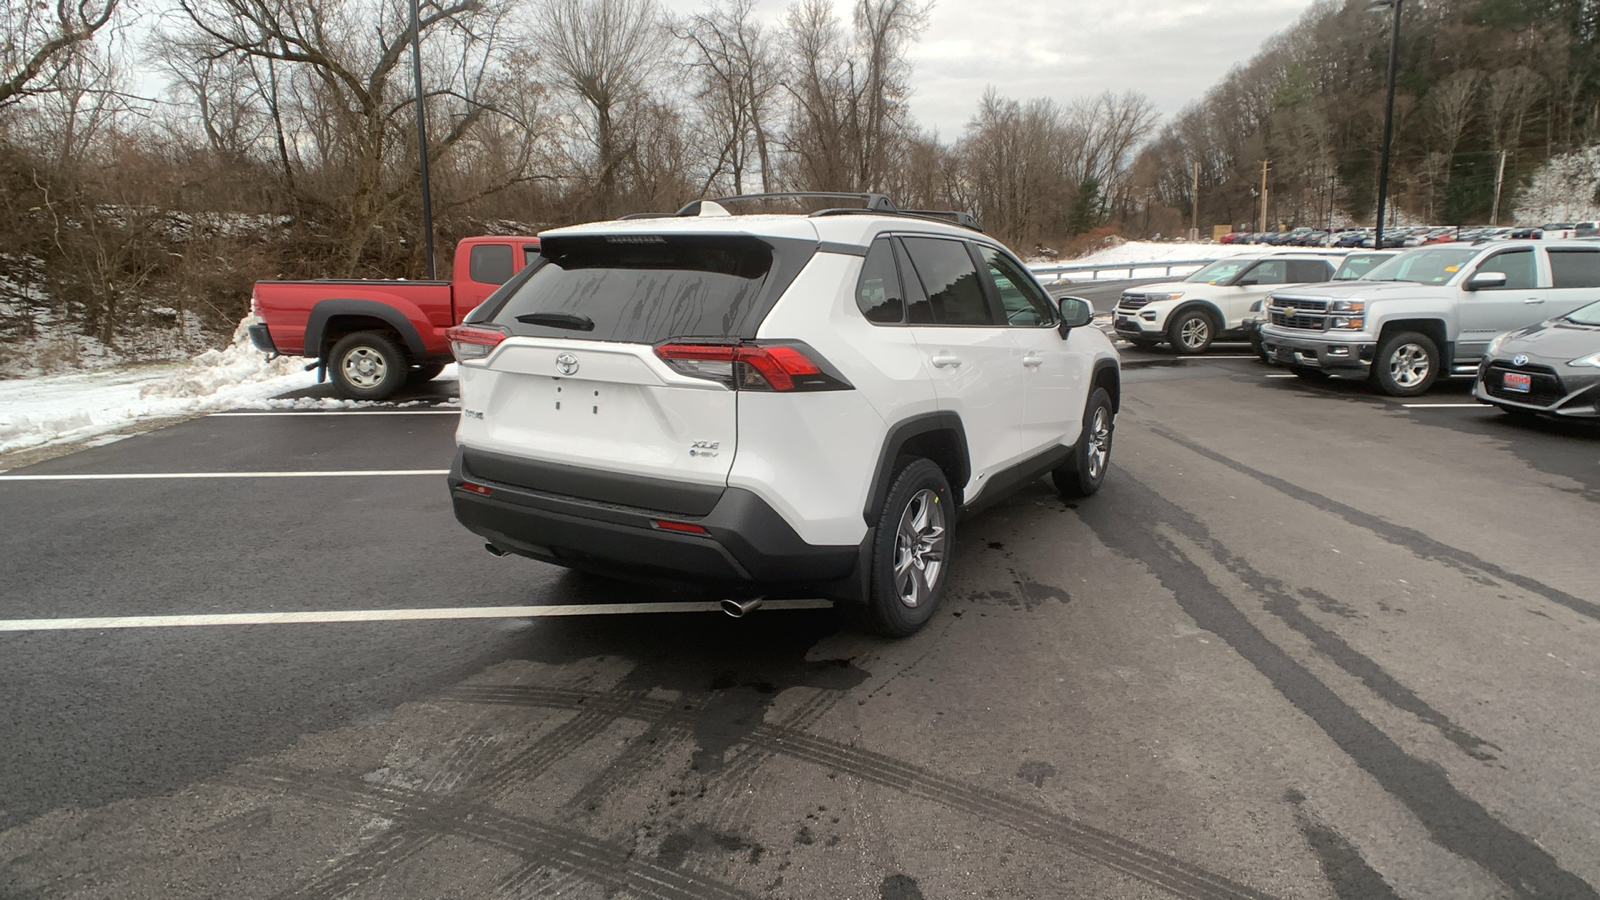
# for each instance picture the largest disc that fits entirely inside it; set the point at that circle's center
(493, 550)
(740, 608)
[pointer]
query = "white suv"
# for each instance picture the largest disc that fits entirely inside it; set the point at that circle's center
(1215, 303)
(772, 405)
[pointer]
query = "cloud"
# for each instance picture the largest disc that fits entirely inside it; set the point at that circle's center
(1172, 52)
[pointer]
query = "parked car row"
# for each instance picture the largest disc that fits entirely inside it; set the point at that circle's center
(1521, 317)
(1411, 236)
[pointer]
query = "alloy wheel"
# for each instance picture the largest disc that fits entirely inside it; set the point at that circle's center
(1409, 365)
(919, 549)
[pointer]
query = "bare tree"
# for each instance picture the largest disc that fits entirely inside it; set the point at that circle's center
(603, 54)
(737, 87)
(1450, 110)
(1507, 97)
(337, 74)
(38, 40)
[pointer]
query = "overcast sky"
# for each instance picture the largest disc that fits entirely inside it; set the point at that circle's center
(1170, 50)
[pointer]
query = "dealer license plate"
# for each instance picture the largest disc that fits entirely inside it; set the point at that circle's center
(1516, 381)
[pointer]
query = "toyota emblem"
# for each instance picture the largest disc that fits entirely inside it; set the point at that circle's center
(567, 364)
(1519, 360)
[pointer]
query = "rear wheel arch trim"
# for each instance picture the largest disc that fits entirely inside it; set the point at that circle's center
(327, 310)
(894, 443)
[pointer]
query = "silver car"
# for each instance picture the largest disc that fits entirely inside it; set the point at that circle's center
(1551, 368)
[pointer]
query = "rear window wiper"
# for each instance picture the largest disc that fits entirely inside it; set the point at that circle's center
(558, 320)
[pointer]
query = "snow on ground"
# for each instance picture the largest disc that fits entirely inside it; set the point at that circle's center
(1138, 252)
(35, 412)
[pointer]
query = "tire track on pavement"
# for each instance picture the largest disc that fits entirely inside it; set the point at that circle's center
(556, 847)
(1153, 867)
(1455, 821)
(405, 841)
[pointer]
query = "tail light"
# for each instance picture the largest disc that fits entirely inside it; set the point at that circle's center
(473, 341)
(780, 367)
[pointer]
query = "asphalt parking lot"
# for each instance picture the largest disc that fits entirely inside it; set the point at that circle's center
(1306, 642)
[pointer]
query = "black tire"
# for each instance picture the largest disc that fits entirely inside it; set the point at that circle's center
(920, 493)
(367, 366)
(1260, 349)
(1192, 331)
(1406, 365)
(1085, 470)
(1306, 373)
(423, 374)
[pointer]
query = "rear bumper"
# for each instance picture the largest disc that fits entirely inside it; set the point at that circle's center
(747, 544)
(261, 339)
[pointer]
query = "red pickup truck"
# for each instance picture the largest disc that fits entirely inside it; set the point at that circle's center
(374, 337)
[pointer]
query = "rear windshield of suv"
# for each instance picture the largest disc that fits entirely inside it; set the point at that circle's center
(639, 289)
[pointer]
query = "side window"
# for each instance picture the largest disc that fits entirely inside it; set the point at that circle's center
(1518, 267)
(1268, 271)
(530, 255)
(1305, 271)
(950, 278)
(491, 264)
(1020, 297)
(878, 293)
(1575, 268)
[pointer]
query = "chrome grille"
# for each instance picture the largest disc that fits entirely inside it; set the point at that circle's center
(1132, 301)
(1311, 322)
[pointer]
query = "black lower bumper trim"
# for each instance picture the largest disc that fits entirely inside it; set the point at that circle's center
(261, 339)
(747, 541)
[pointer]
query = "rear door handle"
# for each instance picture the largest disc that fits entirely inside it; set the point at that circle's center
(1534, 300)
(1033, 362)
(944, 359)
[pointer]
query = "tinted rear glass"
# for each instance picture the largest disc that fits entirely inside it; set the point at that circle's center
(642, 289)
(490, 264)
(1575, 268)
(951, 280)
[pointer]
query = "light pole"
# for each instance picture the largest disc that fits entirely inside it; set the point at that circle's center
(1388, 114)
(422, 133)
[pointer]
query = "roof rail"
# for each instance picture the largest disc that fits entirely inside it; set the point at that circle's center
(876, 202)
(958, 218)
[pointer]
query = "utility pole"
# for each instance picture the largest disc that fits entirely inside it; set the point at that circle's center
(1194, 195)
(422, 133)
(1264, 194)
(1499, 178)
(1388, 115)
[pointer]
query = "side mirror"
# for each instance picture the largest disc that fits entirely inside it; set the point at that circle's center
(1075, 313)
(1247, 280)
(1481, 280)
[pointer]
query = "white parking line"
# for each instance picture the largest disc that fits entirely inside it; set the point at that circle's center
(344, 412)
(157, 476)
(1444, 406)
(321, 617)
(1290, 375)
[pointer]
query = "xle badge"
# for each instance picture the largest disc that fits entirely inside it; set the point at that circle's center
(704, 448)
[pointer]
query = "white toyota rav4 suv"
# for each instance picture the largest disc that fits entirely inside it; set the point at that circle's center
(772, 405)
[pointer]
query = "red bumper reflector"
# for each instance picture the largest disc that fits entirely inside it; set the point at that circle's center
(475, 488)
(685, 527)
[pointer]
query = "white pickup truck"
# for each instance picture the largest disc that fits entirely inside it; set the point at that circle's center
(1428, 312)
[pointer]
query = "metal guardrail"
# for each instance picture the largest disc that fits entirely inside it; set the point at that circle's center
(1167, 265)
(1096, 268)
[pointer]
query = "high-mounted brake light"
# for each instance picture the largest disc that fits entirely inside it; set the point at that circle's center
(470, 342)
(754, 366)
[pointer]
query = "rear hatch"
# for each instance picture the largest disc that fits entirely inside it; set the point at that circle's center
(576, 400)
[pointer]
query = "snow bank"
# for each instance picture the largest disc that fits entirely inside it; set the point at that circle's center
(1142, 251)
(35, 412)
(1565, 189)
